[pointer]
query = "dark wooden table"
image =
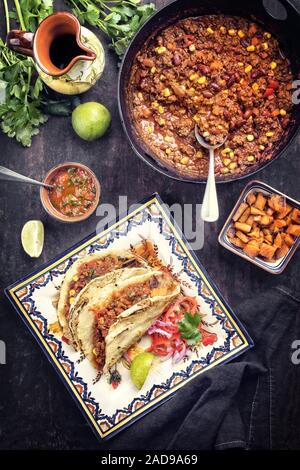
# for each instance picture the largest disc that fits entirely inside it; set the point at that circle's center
(35, 409)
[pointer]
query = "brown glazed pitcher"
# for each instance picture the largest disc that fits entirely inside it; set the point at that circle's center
(55, 46)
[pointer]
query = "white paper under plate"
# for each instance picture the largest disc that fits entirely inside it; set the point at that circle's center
(109, 410)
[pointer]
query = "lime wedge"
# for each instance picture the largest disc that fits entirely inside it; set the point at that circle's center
(140, 367)
(32, 238)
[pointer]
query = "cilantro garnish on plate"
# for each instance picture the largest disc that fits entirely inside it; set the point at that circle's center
(189, 328)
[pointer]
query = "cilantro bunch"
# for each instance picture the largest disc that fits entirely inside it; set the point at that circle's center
(29, 13)
(20, 88)
(20, 112)
(118, 19)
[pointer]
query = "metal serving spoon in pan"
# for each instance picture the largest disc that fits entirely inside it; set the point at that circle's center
(9, 175)
(210, 206)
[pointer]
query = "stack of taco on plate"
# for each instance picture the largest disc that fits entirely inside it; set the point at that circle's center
(109, 313)
(84, 271)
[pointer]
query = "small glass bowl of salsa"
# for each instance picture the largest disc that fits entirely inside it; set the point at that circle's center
(75, 194)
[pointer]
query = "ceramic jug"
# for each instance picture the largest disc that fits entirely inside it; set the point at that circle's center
(68, 58)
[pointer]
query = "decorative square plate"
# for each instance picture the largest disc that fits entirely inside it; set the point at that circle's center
(108, 410)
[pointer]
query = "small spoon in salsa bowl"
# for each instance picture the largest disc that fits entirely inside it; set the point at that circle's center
(9, 175)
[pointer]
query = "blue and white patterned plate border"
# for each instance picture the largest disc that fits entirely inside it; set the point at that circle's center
(109, 411)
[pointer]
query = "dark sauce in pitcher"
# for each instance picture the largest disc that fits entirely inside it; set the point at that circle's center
(63, 49)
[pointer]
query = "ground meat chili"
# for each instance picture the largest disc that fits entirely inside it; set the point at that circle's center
(74, 191)
(121, 301)
(223, 73)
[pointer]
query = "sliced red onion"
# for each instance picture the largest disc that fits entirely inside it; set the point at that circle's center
(161, 332)
(165, 324)
(155, 329)
(179, 355)
(168, 356)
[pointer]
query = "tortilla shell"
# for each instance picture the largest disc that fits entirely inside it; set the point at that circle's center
(133, 328)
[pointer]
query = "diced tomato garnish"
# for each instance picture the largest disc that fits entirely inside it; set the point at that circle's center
(208, 338)
(176, 311)
(160, 345)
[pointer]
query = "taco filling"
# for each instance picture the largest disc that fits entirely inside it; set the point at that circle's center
(121, 300)
(98, 267)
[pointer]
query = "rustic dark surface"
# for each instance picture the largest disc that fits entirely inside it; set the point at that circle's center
(36, 411)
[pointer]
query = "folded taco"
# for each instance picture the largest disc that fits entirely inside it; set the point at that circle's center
(97, 290)
(106, 327)
(82, 272)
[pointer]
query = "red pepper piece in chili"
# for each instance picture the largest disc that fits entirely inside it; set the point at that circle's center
(269, 92)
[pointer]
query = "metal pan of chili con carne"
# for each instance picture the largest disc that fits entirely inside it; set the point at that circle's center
(280, 18)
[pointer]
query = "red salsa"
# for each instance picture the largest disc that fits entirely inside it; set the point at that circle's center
(74, 191)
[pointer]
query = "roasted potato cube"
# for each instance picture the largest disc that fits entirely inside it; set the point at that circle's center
(242, 227)
(251, 250)
(237, 242)
(278, 224)
(269, 211)
(251, 198)
(288, 219)
(278, 240)
(256, 211)
(277, 202)
(242, 236)
(245, 215)
(250, 220)
(260, 202)
(267, 251)
(288, 239)
(269, 239)
(282, 251)
(231, 232)
(255, 233)
(295, 215)
(240, 211)
(293, 230)
(285, 211)
(266, 220)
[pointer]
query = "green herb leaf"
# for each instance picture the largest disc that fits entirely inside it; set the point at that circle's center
(3, 86)
(20, 98)
(189, 328)
(119, 20)
(33, 12)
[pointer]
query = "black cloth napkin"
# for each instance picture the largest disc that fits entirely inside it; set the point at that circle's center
(242, 404)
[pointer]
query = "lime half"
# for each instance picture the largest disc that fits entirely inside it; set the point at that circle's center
(140, 367)
(32, 238)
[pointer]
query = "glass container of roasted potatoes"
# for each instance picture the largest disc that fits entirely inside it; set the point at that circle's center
(263, 227)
